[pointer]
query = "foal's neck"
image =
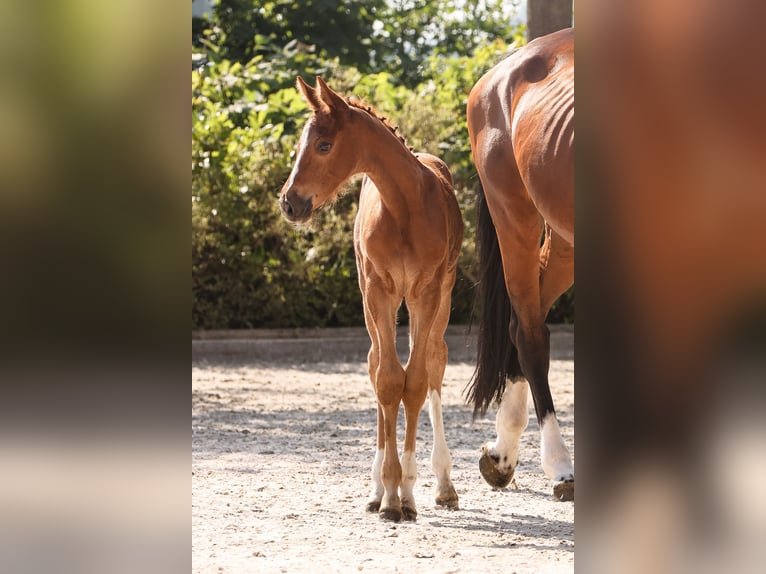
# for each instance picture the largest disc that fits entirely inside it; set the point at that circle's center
(389, 163)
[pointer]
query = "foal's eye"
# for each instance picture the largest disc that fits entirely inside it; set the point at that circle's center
(324, 147)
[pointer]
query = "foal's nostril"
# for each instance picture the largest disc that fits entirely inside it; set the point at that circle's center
(286, 206)
(294, 207)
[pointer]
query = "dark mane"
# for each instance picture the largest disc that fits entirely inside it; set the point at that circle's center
(357, 103)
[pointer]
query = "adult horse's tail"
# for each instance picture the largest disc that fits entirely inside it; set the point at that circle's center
(497, 357)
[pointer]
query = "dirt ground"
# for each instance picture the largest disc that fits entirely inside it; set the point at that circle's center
(281, 455)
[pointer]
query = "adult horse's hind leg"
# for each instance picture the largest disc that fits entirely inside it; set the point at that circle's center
(513, 211)
(500, 457)
(530, 335)
(556, 277)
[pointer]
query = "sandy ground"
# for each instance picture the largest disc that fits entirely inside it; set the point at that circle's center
(281, 455)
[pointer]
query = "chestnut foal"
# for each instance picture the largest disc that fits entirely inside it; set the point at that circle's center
(407, 238)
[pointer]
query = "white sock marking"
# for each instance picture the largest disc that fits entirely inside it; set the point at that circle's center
(557, 463)
(377, 482)
(512, 419)
(409, 476)
(441, 460)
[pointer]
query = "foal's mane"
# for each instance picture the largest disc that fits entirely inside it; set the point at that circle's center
(355, 102)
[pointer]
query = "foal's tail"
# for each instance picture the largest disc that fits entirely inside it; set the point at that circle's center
(497, 358)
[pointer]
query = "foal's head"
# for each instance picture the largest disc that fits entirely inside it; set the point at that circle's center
(325, 157)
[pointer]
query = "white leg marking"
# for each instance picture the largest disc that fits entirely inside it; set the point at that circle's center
(441, 461)
(512, 419)
(409, 476)
(557, 463)
(376, 494)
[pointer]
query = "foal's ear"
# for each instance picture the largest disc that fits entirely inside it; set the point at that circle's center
(309, 94)
(330, 98)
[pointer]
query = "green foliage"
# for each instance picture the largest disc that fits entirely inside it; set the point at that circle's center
(250, 268)
(343, 29)
(371, 35)
(414, 30)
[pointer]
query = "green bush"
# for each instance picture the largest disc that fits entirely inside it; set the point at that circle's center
(250, 268)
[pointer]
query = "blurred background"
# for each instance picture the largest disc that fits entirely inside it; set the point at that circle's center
(94, 300)
(671, 272)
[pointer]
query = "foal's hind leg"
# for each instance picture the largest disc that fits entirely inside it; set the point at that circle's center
(441, 460)
(423, 307)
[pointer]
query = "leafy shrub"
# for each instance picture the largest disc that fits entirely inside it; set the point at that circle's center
(250, 268)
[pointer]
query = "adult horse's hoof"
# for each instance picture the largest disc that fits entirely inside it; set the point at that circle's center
(448, 499)
(563, 490)
(390, 514)
(490, 469)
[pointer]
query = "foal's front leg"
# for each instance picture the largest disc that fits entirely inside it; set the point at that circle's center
(391, 470)
(386, 473)
(384, 496)
(387, 377)
(388, 381)
(413, 403)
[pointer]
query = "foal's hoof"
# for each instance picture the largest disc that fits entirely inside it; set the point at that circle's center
(448, 499)
(563, 490)
(391, 514)
(490, 469)
(373, 506)
(409, 513)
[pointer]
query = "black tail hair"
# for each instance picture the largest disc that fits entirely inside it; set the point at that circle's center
(497, 358)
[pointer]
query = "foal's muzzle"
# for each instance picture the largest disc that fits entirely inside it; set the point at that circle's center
(294, 207)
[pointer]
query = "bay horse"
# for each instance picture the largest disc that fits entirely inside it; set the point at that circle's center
(407, 236)
(521, 127)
